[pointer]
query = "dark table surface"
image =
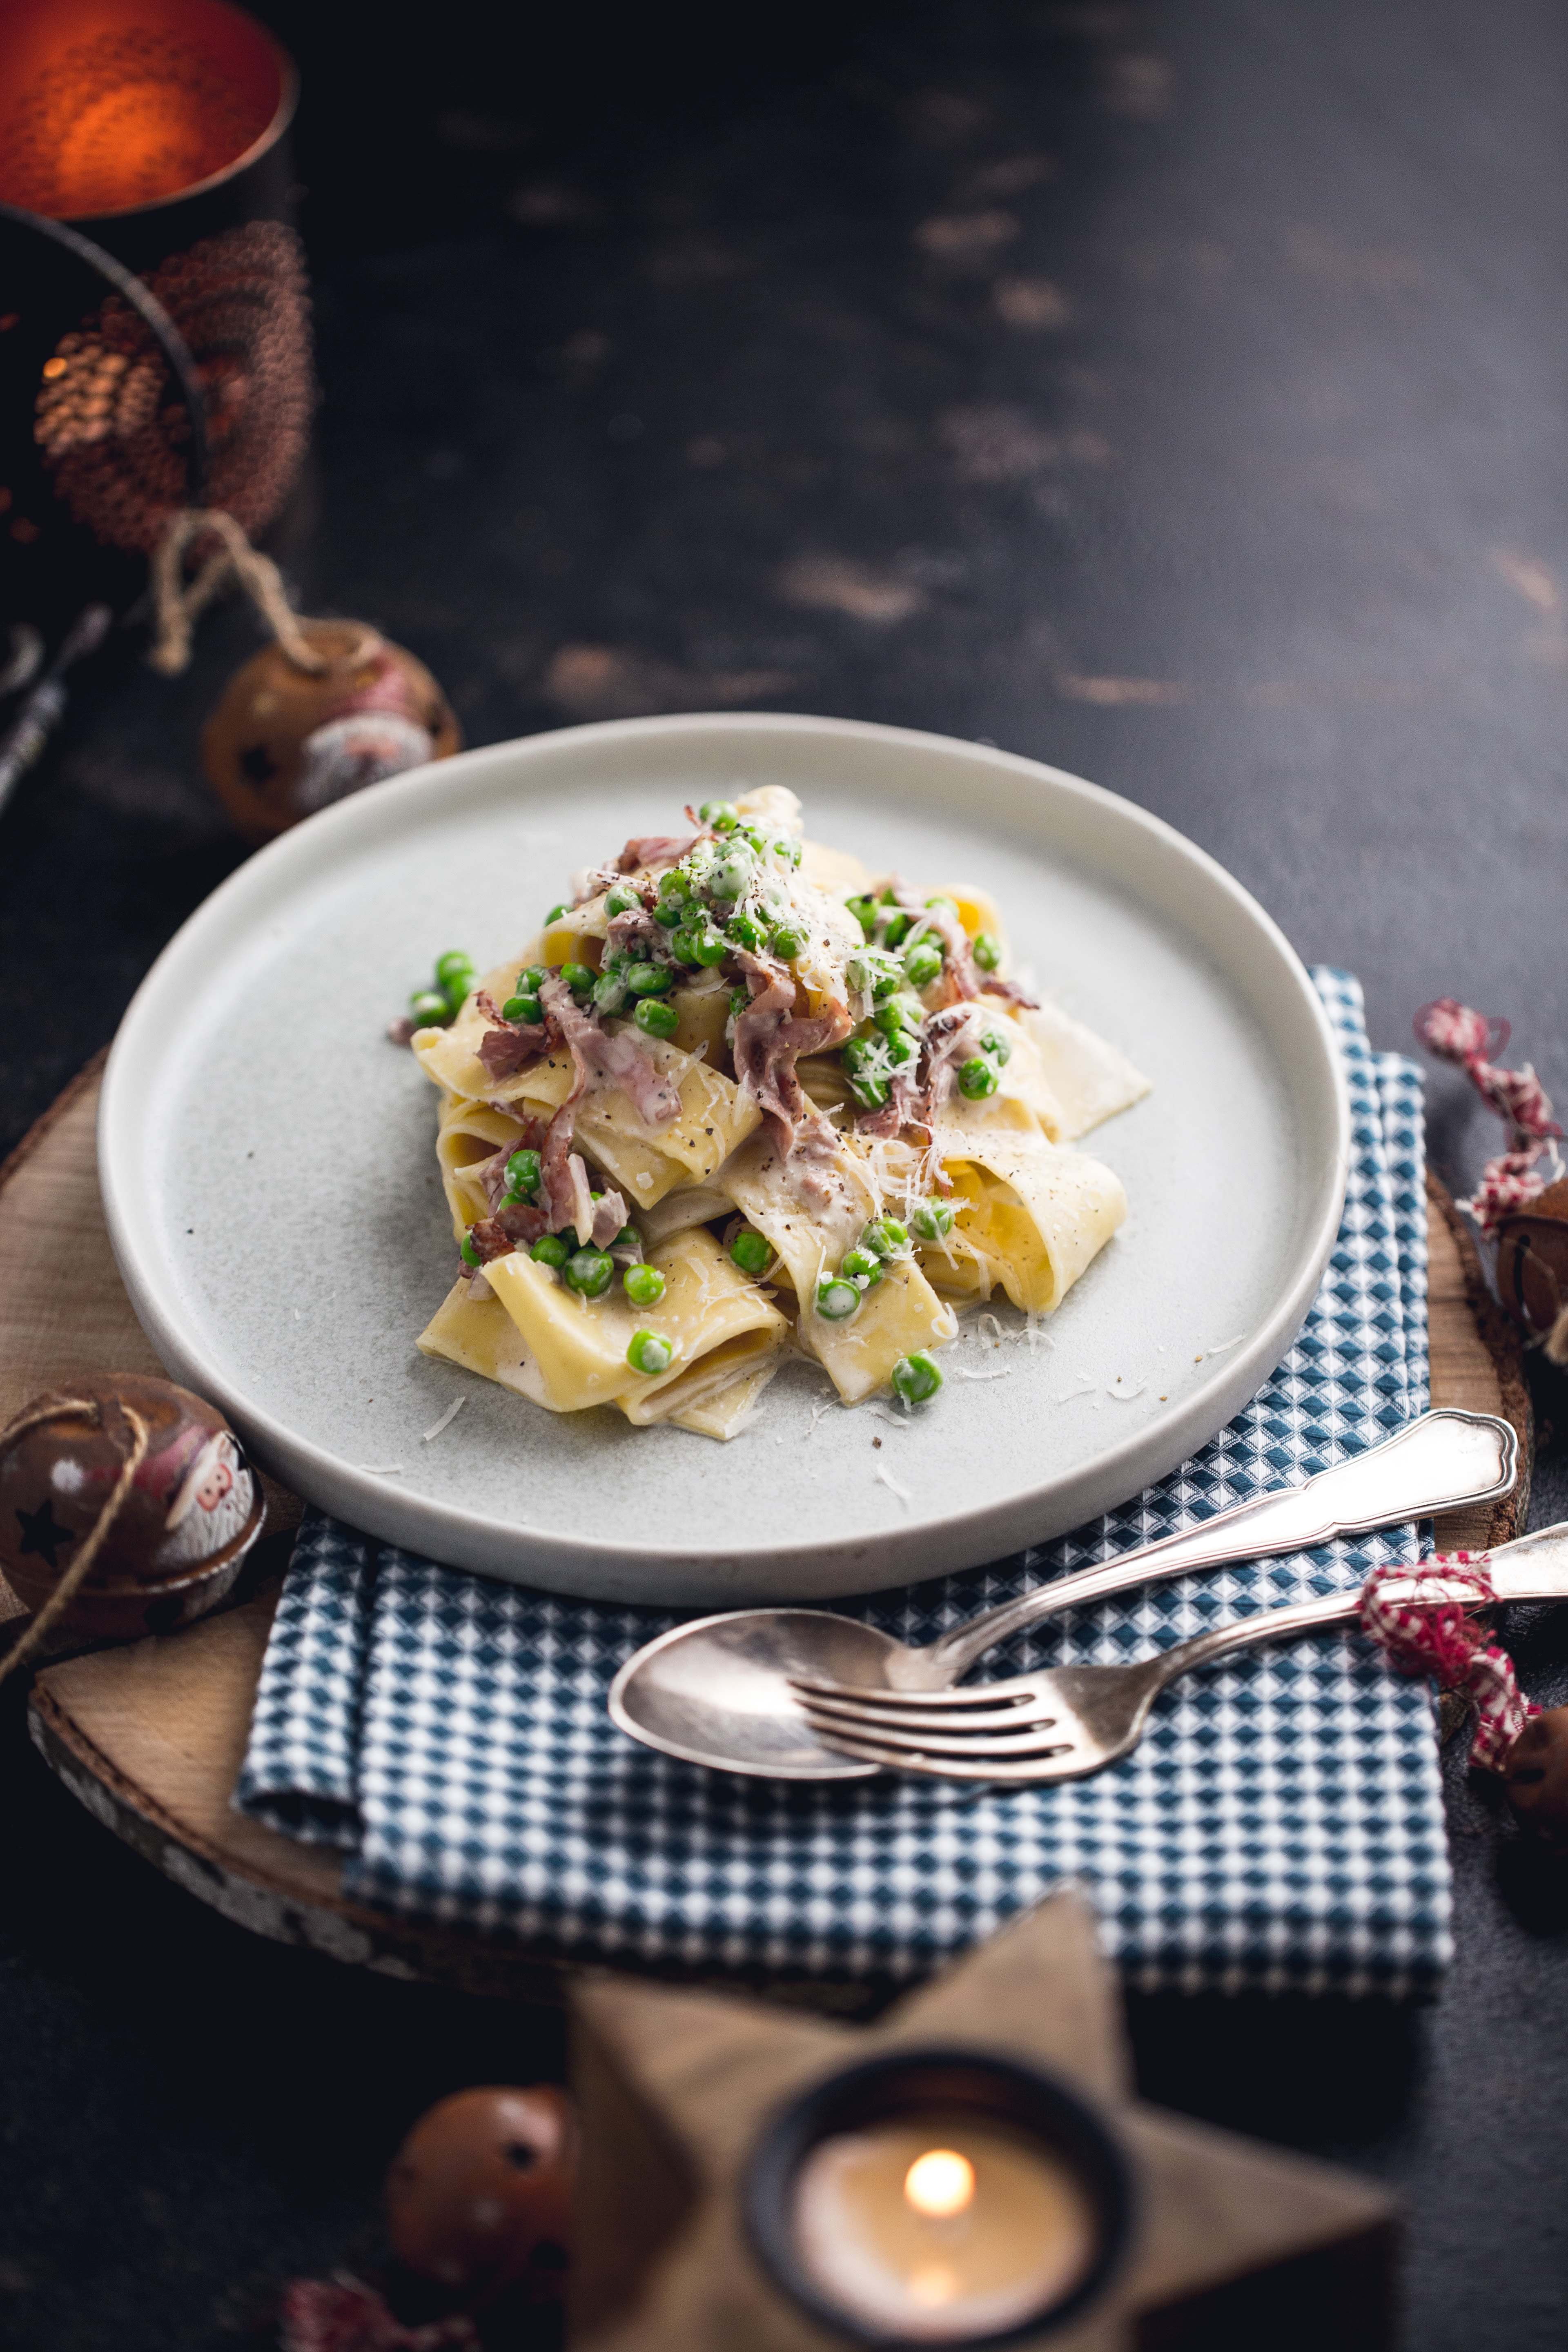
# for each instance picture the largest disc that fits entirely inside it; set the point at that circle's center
(1176, 394)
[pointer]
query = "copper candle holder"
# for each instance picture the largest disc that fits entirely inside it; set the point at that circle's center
(152, 133)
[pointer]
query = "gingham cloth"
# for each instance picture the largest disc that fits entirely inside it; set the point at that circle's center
(1280, 1826)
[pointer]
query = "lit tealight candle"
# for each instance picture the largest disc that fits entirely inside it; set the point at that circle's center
(941, 2228)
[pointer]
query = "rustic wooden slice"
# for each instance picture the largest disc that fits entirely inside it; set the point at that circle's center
(150, 1737)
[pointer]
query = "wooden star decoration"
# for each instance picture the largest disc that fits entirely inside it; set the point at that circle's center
(676, 2086)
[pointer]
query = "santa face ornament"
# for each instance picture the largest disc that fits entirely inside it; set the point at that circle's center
(173, 1546)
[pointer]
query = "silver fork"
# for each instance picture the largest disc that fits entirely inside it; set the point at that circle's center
(1068, 1721)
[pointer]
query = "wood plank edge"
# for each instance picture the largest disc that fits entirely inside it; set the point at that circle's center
(266, 1905)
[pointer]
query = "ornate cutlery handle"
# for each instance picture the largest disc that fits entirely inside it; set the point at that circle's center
(1435, 1463)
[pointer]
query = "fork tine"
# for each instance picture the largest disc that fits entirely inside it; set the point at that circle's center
(1000, 1697)
(1069, 1766)
(1044, 1740)
(846, 1707)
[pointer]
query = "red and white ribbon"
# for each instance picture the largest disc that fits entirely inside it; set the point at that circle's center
(1422, 1618)
(343, 2315)
(1468, 1040)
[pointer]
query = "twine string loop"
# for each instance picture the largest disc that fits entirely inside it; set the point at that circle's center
(97, 1535)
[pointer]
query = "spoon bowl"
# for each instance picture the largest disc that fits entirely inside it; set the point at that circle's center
(717, 1691)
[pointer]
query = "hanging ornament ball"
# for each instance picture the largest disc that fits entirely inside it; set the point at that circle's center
(480, 2195)
(175, 1544)
(285, 742)
(1533, 1260)
(1536, 1778)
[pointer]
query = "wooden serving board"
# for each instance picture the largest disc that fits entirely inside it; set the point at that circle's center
(150, 1737)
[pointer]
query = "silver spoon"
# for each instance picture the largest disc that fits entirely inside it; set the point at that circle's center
(717, 1691)
(1065, 1722)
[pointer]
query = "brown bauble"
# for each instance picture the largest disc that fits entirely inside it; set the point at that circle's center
(285, 742)
(177, 1542)
(1533, 1259)
(1536, 1778)
(478, 2198)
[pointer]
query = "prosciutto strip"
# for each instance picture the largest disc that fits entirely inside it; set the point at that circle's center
(507, 1045)
(769, 1039)
(658, 849)
(598, 1059)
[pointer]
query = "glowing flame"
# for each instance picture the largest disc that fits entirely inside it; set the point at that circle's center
(940, 2183)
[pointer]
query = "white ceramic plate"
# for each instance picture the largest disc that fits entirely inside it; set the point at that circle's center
(270, 1178)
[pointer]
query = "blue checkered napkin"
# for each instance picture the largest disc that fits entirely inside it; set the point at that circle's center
(1280, 1826)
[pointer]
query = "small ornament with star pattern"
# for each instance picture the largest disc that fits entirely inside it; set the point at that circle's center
(155, 1475)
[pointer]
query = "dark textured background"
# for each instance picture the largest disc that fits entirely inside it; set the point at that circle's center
(1173, 392)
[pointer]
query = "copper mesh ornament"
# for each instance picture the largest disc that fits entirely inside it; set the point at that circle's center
(110, 421)
(123, 120)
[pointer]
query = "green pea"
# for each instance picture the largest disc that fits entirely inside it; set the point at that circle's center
(656, 1018)
(988, 951)
(707, 947)
(530, 981)
(999, 1045)
(886, 1236)
(864, 910)
(429, 1009)
(836, 1298)
(977, 1080)
(922, 964)
(555, 914)
(918, 1377)
(650, 1354)
(649, 979)
(589, 1272)
(860, 1052)
(723, 815)
(788, 943)
(525, 1171)
(746, 930)
(732, 874)
(897, 926)
(626, 1237)
(902, 1049)
(739, 1000)
(751, 1250)
(621, 899)
(467, 1253)
(550, 1249)
(942, 899)
(452, 966)
(524, 1008)
(579, 979)
(861, 1265)
(643, 1285)
(932, 1220)
(609, 992)
(901, 1013)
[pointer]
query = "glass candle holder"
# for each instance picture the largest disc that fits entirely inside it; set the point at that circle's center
(939, 2196)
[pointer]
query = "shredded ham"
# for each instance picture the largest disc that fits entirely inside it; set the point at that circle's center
(769, 1038)
(1011, 991)
(661, 848)
(507, 1045)
(598, 1059)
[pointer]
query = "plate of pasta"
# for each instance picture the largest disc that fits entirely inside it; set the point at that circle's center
(823, 1156)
